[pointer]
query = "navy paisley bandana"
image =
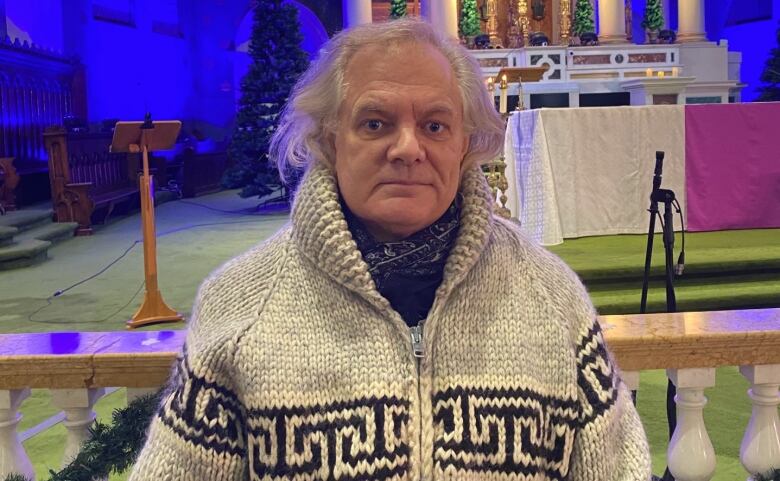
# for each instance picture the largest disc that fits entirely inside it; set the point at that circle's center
(408, 272)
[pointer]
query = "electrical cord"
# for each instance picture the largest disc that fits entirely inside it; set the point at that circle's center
(60, 292)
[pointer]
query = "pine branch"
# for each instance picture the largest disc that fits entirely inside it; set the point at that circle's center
(109, 449)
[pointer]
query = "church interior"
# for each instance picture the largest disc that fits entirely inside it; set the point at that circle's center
(592, 93)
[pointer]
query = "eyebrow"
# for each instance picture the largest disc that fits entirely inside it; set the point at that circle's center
(369, 106)
(438, 108)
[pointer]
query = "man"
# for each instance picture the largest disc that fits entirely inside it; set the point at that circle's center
(395, 329)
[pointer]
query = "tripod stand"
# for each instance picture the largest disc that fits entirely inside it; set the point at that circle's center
(669, 200)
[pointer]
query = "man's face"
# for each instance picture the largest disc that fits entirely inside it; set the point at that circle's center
(400, 139)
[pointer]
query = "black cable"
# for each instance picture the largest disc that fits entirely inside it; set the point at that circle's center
(48, 303)
(104, 269)
(238, 212)
(678, 268)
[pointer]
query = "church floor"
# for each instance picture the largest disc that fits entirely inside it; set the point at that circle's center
(194, 240)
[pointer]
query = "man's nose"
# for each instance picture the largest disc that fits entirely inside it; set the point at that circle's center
(407, 146)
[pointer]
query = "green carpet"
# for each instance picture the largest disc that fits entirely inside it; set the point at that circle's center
(725, 269)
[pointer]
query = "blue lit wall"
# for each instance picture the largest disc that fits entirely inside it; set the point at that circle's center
(133, 67)
(25, 19)
(754, 38)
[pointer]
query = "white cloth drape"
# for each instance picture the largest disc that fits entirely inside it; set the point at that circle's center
(588, 171)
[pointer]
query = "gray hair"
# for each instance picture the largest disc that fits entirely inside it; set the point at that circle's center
(309, 120)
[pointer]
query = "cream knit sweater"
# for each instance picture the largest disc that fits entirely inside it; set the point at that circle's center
(296, 368)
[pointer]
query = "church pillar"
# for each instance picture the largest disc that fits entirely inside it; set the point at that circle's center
(356, 12)
(691, 21)
(443, 14)
(612, 21)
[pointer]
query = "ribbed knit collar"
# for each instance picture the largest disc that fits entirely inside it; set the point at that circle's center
(321, 232)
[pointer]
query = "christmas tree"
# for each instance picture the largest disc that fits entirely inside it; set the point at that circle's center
(277, 62)
(469, 19)
(397, 8)
(770, 91)
(654, 16)
(583, 17)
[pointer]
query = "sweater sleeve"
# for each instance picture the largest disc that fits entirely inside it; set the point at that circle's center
(610, 444)
(198, 431)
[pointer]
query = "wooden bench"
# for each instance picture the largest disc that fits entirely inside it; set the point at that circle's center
(85, 177)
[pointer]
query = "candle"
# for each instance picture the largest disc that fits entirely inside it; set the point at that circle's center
(661, 74)
(490, 85)
(675, 71)
(502, 101)
(649, 72)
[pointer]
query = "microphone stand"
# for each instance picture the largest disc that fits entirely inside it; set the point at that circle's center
(668, 198)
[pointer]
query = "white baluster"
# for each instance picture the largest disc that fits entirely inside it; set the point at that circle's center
(760, 449)
(690, 455)
(13, 458)
(77, 405)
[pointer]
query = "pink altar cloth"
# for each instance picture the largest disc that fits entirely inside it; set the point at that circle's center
(732, 166)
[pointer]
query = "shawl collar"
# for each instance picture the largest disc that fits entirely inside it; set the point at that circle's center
(321, 233)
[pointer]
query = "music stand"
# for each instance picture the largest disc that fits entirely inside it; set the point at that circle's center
(144, 137)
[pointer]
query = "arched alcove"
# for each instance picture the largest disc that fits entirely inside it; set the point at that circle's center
(314, 35)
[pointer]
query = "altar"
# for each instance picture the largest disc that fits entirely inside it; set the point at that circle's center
(588, 171)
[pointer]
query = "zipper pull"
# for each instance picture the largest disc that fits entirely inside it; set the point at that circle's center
(417, 340)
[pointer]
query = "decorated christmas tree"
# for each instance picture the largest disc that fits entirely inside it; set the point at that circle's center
(469, 19)
(277, 62)
(583, 17)
(770, 91)
(654, 16)
(397, 8)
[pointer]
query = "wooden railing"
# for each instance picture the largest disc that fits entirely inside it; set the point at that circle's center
(37, 89)
(78, 367)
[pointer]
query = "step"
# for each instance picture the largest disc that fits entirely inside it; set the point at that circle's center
(25, 219)
(612, 258)
(22, 254)
(53, 232)
(735, 292)
(7, 235)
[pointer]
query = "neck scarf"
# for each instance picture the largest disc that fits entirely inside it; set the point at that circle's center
(407, 272)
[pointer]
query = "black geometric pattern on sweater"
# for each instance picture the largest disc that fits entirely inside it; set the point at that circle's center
(508, 431)
(203, 413)
(596, 377)
(364, 439)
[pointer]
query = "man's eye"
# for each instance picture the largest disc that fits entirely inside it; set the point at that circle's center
(435, 127)
(373, 124)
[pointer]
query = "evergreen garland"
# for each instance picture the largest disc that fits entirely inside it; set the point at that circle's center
(773, 475)
(654, 16)
(277, 62)
(110, 449)
(469, 19)
(583, 18)
(770, 91)
(397, 8)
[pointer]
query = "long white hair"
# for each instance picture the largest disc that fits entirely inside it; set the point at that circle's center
(309, 121)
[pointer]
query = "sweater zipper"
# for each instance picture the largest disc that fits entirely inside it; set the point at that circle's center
(418, 349)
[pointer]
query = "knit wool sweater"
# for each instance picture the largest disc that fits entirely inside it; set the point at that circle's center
(296, 368)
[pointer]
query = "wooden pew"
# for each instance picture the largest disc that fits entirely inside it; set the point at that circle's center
(85, 177)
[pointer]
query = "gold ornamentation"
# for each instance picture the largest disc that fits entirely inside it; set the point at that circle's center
(565, 22)
(522, 11)
(495, 173)
(492, 23)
